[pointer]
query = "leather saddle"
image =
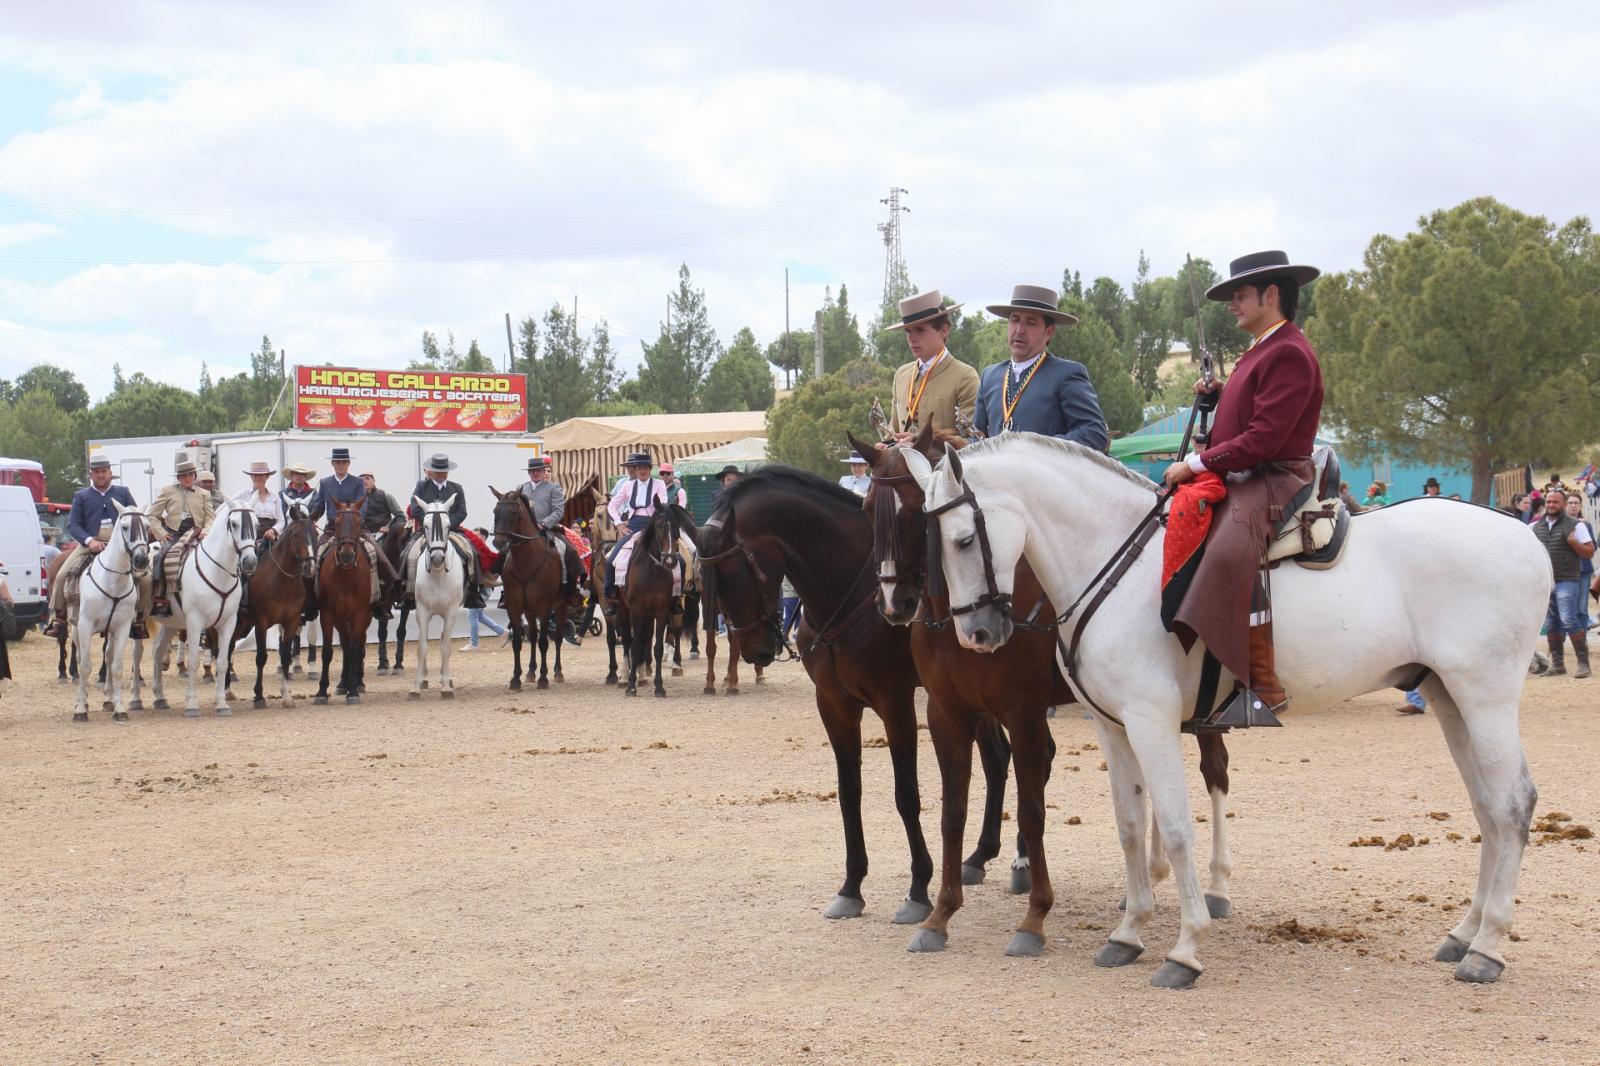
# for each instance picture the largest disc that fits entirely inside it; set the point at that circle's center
(1316, 525)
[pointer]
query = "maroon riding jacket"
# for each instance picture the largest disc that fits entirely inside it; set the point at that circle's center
(1270, 407)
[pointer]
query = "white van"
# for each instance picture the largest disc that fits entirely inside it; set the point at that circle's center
(21, 551)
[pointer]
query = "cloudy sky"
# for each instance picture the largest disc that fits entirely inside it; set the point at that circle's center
(177, 179)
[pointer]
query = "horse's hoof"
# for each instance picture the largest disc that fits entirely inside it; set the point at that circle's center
(925, 940)
(119, 716)
(424, 682)
(298, 669)
(661, 693)
(338, 690)
(224, 711)
(1114, 953)
(1021, 880)
(516, 684)
(105, 706)
(191, 712)
(320, 701)
(1025, 944)
(136, 705)
(62, 680)
(731, 690)
(845, 907)
(1454, 949)
(414, 694)
(159, 704)
(259, 703)
(447, 694)
(911, 912)
(1479, 969)
(1218, 907)
(1174, 975)
(972, 875)
(677, 671)
(80, 716)
(354, 697)
(760, 680)
(544, 682)
(313, 676)
(694, 654)
(631, 692)
(559, 679)
(612, 680)
(709, 690)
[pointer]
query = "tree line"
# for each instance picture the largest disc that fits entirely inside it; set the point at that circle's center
(1469, 343)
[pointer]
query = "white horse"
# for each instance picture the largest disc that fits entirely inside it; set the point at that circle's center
(207, 593)
(438, 590)
(108, 599)
(1394, 603)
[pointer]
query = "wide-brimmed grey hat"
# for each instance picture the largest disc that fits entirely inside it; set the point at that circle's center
(439, 461)
(921, 307)
(186, 467)
(260, 466)
(1265, 265)
(1036, 299)
(538, 462)
(98, 462)
(853, 457)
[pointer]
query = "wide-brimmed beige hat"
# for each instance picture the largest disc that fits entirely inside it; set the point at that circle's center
(1037, 299)
(185, 467)
(299, 468)
(206, 475)
(260, 466)
(922, 306)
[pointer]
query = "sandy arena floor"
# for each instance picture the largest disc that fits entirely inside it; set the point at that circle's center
(572, 876)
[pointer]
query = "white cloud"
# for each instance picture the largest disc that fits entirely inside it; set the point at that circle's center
(381, 170)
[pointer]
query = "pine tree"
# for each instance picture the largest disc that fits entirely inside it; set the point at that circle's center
(674, 367)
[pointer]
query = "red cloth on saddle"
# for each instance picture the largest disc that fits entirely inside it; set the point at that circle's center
(486, 554)
(1188, 521)
(579, 545)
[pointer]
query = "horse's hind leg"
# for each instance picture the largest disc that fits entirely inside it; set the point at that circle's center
(543, 625)
(419, 676)
(80, 709)
(711, 663)
(900, 728)
(994, 754)
(660, 627)
(283, 666)
(843, 724)
(1487, 748)
(953, 734)
(383, 645)
(261, 666)
(1128, 804)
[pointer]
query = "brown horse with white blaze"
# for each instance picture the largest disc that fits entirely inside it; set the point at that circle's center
(344, 591)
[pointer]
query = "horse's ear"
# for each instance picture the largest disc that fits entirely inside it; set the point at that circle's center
(451, 502)
(120, 508)
(924, 441)
(918, 466)
(869, 452)
(952, 461)
(497, 493)
(416, 501)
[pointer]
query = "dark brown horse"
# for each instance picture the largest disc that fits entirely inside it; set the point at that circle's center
(1015, 686)
(392, 543)
(777, 522)
(580, 506)
(344, 591)
(531, 579)
(647, 608)
(278, 595)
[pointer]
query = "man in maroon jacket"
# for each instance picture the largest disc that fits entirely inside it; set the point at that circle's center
(1260, 445)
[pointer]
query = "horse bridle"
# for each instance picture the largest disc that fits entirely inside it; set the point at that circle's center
(311, 548)
(439, 526)
(883, 519)
(340, 540)
(993, 597)
(741, 547)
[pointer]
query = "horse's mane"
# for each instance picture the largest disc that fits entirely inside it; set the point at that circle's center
(978, 449)
(788, 478)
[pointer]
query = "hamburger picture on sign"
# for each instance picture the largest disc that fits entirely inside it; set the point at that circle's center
(337, 397)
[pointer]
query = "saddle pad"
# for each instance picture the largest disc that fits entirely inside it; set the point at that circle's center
(414, 551)
(372, 562)
(1318, 519)
(172, 561)
(621, 566)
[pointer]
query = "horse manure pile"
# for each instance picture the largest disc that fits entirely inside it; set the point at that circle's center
(1292, 932)
(1403, 842)
(875, 742)
(1439, 816)
(783, 795)
(1073, 819)
(657, 745)
(1555, 826)
(564, 750)
(179, 782)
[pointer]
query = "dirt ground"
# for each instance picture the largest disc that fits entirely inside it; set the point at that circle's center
(572, 876)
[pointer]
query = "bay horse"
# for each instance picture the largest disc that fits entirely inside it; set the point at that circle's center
(1016, 686)
(66, 648)
(646, 607)
(344, 593)
(531, 580)
(392, 543)
(1394, 607)
(278, 596)
(779, 522)
(581, 505)
(108, 599)
(210, 584)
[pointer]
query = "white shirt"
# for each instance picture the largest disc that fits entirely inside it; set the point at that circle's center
(923, 368)
(1580, 534)
(1019, 369)
(635, 497)
(858, 484)
(270, 507)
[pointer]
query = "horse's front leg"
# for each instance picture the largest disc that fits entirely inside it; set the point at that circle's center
(83, 637)
(353, 645)
(1214, 770)
(447, 685)
(900, 728)
(952, 733)
(400, 640)
(260, 700)
(192, 654)
(843, 724)
(283, 667)
(730, 684)
(1032, 751)
(561, 627)
(637, 635)
(383, 645)
(711, 662)
(515, 621)
(118, 644)
(1155, 741)
(419, 676)
(136, 703)
(158, 656)
(326, 623)
(225, 661)
(543, 626)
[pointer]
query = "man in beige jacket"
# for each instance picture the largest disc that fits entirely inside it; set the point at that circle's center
(934, 384)
(178, 508)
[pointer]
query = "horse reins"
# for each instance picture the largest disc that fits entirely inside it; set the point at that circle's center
(116, 601)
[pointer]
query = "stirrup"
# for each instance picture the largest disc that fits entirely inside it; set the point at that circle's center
(137, 631)
(1244, 711)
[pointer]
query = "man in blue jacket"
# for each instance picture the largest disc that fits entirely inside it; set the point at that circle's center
(93, 509)
(1034, 391)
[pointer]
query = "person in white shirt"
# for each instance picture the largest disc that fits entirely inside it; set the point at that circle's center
(266, 504)
(857, 480)
(632, 504)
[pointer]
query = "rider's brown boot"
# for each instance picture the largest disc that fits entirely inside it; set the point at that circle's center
(1264, 668)
(57, 627)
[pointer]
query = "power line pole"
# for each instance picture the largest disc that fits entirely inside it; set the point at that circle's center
(786, 327)
(819, 343)
(896, 282)
(511, 349)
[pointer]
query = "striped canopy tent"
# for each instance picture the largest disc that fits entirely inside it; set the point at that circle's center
(582, 447)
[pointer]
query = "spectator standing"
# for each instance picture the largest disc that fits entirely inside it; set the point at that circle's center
(1377, 495)
(475, 615)
(1585, 563)
(1430, 487)
(1568, 544)
(8, 610)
